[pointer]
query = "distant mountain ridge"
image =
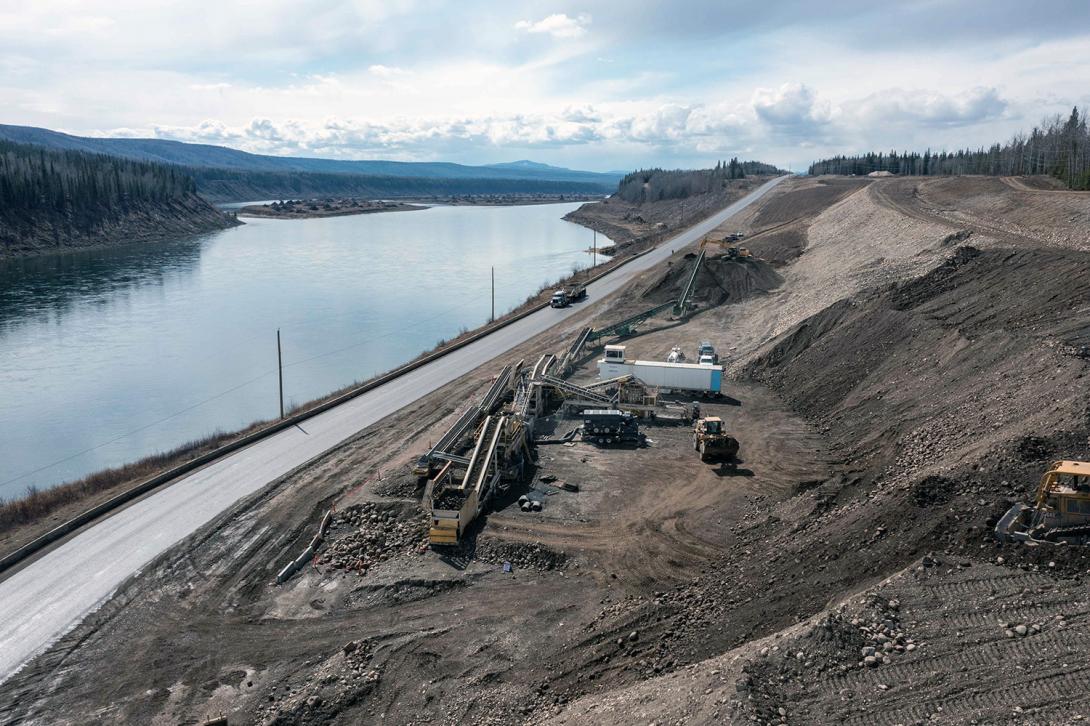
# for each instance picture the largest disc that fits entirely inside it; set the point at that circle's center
(222, 157)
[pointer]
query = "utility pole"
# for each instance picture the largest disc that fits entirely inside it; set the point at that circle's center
(493, 294)
(595, 247)
(280, 368)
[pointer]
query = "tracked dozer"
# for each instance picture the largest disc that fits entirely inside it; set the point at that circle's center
(1060, 511)
(710, 438)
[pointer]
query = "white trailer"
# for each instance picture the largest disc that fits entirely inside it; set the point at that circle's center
(673, 376)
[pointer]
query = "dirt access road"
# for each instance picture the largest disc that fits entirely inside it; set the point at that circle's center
(46, 598)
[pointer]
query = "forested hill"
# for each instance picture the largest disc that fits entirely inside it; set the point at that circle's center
(1059, 147)
(229, 185)
(55, 200)
(208, 156)
(652, 185)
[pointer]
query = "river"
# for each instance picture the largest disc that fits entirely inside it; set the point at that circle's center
(107, 356)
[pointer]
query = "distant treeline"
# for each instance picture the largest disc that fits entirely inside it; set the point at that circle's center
(650, 185)
(230, 185)
(1059, 148)
(80, 186)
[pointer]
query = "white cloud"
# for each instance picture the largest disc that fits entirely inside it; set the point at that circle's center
(558, 25)
(649, 85)
(382, 71)
(792, 107)
(930, 108)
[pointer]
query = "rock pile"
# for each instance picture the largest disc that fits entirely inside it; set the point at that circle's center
(521, 555)
(341, 680)
(376, 535)
(883, 634)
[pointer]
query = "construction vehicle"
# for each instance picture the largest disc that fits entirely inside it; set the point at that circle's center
(1060, 511)
(465, 486)
(566, 296)
(710, 438)
(677, 355)
(731, 250)
(606, 427)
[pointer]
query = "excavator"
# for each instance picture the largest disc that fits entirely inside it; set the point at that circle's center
(710, 438)
(728, 245)
(1060, 511)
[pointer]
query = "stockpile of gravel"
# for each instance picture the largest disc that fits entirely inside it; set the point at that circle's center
(521, 555)
(374, 535)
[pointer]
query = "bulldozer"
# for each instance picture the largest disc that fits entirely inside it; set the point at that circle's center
(710, 438)
(1060, 511)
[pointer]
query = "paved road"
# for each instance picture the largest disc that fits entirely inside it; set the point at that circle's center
(52, 595)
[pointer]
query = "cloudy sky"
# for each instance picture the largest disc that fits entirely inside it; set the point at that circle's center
(592, 85)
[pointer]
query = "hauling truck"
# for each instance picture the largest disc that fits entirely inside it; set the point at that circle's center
(706, 354)
(710, 438)
(608, 426)
(1060, 511)
(566, 296)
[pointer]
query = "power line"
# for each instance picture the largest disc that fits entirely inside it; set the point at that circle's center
(221, 394)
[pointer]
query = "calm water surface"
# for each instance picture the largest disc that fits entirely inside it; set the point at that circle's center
(108, 356)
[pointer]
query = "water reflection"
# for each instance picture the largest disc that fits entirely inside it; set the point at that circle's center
(43, 289)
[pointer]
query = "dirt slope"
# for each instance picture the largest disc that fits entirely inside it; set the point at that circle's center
(944, 383)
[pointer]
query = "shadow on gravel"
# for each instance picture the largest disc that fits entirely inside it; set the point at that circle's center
(726, 470)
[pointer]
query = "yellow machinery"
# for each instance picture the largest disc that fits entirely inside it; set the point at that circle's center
(727, 244)
(1060, 510)
(710, 438)
(462, 490)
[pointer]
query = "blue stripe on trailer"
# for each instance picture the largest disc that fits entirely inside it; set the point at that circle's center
(717, 380)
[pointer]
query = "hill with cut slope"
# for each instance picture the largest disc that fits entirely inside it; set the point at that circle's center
(57, 200)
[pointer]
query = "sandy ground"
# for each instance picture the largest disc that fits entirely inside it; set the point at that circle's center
(901, 375)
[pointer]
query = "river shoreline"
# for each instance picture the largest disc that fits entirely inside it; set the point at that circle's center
(143, 226)
(53, 500)
(23, 519)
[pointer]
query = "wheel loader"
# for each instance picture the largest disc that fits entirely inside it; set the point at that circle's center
(710, 438)
(733, 251)
(1060, 511)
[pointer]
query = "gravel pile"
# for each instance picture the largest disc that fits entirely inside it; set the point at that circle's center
(883, 634)
(374, 535)
(342, 680)
(521, 556)
(451, 499)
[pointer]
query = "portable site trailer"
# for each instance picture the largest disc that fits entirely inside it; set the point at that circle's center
(673, 376)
